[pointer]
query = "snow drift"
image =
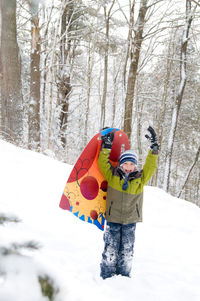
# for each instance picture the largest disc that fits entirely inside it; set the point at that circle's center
(166, 262)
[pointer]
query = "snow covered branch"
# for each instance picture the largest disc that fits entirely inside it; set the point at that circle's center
(8, 219)
(15, 248)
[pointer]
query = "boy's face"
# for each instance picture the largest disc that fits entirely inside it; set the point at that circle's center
(128, 166)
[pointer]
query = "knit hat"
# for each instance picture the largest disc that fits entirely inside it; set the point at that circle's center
(128, 155)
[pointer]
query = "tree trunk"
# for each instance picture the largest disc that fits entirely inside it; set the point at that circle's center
(179, 96)
(10, 75)
(135, 55)
(116, 72)
(64, 75)
(105, 80)
(89, 80)
(34, 105)
(52, 78)
(139, 108)
(189, 172)
(130, 38)
(164, 98)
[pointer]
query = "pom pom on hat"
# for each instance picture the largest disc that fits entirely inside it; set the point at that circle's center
(128, 156)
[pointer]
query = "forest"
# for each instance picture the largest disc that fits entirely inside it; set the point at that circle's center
(71, 67)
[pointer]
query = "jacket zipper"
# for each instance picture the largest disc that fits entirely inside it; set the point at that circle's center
(138, 213)
(110, 208)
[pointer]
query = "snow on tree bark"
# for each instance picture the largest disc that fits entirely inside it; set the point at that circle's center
(179, 97)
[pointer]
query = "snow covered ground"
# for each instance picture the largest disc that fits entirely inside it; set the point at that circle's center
(166, 264)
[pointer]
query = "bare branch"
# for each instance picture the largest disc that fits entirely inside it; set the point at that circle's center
(153, 4)
(197, 3)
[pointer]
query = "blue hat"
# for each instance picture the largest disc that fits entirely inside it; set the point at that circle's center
(128, 156)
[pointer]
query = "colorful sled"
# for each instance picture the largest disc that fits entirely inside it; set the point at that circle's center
(85, 191)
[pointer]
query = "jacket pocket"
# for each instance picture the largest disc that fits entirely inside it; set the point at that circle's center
(137, 209)
(109, 212)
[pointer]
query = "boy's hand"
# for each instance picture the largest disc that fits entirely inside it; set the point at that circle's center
(153, 140)
(107, 140)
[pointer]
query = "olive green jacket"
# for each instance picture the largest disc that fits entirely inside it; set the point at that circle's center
(125, 206)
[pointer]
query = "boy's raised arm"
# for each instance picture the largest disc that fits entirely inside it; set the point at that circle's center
(150, 165)
(103, 161)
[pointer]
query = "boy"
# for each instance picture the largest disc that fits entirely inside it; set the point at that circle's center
(124, 204)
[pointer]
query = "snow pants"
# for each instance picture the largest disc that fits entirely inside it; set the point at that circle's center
(118, 250)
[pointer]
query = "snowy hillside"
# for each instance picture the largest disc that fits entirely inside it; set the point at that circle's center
(166, 264)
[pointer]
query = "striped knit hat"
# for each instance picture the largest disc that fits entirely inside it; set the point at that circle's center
(128, 156)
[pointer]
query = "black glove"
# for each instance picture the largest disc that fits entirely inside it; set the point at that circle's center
(153, 139)
(107, 141)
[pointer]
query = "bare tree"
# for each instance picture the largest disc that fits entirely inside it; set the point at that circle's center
(64, 85)
(89, 84)
(71, 35)
(163, 109)
(189, 172)
(35, 74)
(10, 74)
(135, 48)
(175, 114)
(107, 16)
